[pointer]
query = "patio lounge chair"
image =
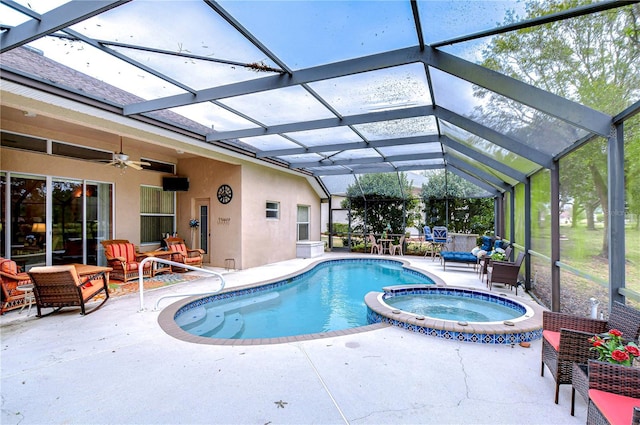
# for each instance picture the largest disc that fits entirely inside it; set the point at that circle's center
(123, 257)
(457, 257)
(182, 254)
(565, 338)
(10, 279)
(375, 246)
(60, 286)
(614, 394)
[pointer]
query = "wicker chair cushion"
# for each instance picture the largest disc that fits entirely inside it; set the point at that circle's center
(189, 260)
(124, 250)
(8, 266)
(179, 247)
(618, 409)
(553, 338)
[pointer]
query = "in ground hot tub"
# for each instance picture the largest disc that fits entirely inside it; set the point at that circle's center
(520, 323)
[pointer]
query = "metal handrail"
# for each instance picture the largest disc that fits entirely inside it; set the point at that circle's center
(173, 263)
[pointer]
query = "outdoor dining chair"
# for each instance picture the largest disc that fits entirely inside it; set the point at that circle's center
(565, 338)
(375, 245)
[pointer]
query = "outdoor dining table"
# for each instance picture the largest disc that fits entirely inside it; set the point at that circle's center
(385, 244)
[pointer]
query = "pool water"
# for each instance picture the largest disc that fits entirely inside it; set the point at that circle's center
(329, 297)
(452, 307)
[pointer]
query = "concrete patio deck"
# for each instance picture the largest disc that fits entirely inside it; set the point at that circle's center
(117, 366)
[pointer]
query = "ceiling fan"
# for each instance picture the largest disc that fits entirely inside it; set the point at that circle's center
(121, 160)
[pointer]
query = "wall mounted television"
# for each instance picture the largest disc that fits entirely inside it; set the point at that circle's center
(175, 184)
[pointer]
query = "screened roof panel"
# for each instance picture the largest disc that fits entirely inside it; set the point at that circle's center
(375, 91)
(422, 148)
(104, 67)
(310, 33)
(269, 142)
(10, 17)
(175, 26)
(325, 136)
(279, 106)
(492, 171)
(514, 119)
(307, 157)
(418, 126)
(485, 147)
(213, 116)
(194, 73)
(443, 20)
(356, 154)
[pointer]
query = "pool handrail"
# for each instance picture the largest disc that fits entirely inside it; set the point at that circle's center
(181, 265)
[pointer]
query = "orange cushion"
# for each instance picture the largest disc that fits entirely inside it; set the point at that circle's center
(553, 338)
(125, 250)
(188, 260)
(9, 266)
(618, 409)
(179, 247)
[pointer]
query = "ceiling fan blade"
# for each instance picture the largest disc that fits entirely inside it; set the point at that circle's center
(133, 165)
(138, 162)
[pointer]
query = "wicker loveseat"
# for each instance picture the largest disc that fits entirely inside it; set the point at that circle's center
(123, 257)
(565, 338)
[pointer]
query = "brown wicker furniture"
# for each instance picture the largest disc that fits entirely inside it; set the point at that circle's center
(614, 394)
(61, 286)
(504, 272)
(182, 254)
(123, 257)
(10, 279)
(579, 383)
(565, 339)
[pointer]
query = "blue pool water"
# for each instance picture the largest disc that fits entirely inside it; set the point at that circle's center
(329, 297)
(453, 307)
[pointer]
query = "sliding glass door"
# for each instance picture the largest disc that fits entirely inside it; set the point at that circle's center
(54, 220)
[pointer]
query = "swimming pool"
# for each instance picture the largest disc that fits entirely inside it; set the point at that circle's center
(328, 297)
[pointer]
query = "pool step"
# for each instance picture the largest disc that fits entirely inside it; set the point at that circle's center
(232, 326)
(201, 321)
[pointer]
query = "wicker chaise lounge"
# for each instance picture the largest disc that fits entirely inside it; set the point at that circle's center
(60, 286)
(565, 339)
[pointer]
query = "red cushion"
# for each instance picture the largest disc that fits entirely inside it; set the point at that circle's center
(553, 338)
(618, 409)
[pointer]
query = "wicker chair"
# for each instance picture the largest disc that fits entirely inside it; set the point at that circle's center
(565, 338)
(123, 257)
(182, 254)
(60, 286)
(606, 379)
(505, 273)
(10, 279)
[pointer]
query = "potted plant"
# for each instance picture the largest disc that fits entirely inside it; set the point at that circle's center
(612, 348)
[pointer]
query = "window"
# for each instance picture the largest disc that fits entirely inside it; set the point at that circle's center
(157, 214)
(163, 167)
(303, 223)
(273, 209)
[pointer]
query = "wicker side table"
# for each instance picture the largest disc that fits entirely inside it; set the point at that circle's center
(580, 382)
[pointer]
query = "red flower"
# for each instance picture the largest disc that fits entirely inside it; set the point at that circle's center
(615, 332)
(597, 343)
(619, 356)
(632, 350)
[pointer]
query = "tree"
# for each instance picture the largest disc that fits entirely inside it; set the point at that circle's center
(593, 60)
(452, 201)
(382, 199)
